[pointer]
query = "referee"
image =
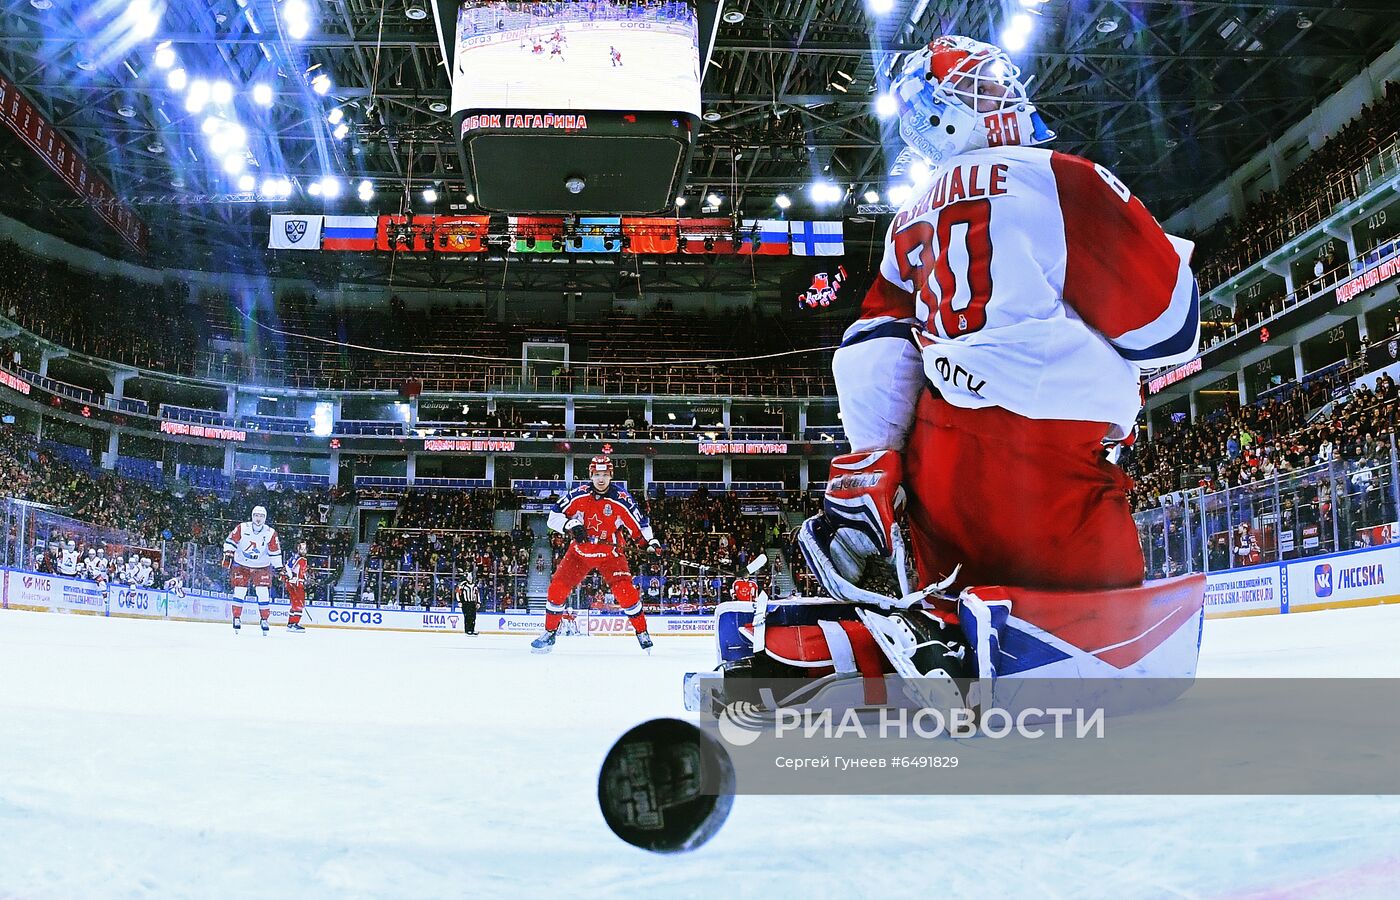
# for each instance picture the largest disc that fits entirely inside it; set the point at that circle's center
(469, 598)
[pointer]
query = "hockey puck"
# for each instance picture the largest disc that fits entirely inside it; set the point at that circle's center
(666, 786)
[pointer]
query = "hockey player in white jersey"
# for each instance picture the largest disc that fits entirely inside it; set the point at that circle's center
(68, 559)
(253, 556)
(145, 575)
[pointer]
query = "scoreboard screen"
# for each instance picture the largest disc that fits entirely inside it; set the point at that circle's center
(581, 56)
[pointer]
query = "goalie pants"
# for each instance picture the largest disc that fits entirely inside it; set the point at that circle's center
(578, 561)
(1018, 502)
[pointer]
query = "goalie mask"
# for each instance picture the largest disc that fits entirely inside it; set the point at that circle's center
(958, 94)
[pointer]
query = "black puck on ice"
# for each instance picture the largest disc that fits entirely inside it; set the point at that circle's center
(666, 786)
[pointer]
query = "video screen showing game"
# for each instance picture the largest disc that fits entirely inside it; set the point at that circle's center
(588, 55)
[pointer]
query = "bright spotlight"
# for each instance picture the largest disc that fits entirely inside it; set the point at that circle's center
(234, 163)
(872, 196)
(880, 7)
(176, 80)
(262, 94)
(919, 172)
(221, 92)
(330, 187)
(782, 201)
(366, 190)
(297, 16)
(314, 188)
(899, 193)
(1013, 42)
(246, 183)
(825, 192)
(198, 96)
(714, 200)
(341, 131)
(429, 195)
(321, 84)
(886, 106)
(271, 187)
(680, 201)
(237, 135)
(211, 124)
(336, 115)
(165, 56)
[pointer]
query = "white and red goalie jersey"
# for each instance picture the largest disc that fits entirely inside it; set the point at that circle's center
(254, 546)
(1023, 279)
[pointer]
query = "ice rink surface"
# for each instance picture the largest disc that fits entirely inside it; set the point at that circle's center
(179, 760)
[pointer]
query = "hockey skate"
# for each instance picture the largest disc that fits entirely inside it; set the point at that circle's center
(237, 625)
(544, 643)
(296, 627)
(265, 627)
(645, 641)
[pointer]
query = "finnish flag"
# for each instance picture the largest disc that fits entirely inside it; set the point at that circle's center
(818, 239)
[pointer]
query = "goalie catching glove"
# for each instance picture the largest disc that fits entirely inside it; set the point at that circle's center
(858, 528)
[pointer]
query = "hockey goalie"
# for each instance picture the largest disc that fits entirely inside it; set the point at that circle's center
(996, 359)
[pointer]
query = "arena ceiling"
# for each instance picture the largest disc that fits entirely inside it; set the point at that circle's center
(1171, 95)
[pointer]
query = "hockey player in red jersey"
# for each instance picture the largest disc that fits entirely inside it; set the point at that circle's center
(745, 590)
(294, 574)
(598, 517)
(252, 555)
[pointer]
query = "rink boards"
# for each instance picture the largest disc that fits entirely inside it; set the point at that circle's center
(56, 593)
(1364, 577)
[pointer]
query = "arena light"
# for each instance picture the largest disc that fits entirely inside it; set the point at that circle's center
(366, 190)
(430, 195)
(144, 19)
(680, 202)
(881, 7)
(714, 200)
(198, 95)
(262, 94)
(314, 188)
(246, 183)
(825, 192)
(165, 55)
(234, 163)
(1017, 32)
(296, 15)
(899, 193)
(1032, 4)
(330, 187)
(341, 131)
(885, 106)
(211, 125)
(872, 196)
(176, 80)
(919, 172)
(221, 92)
(321, 84)
(335, 116)
(783, 201)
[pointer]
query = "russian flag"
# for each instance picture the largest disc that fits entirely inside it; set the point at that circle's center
(349, 232)
(817, 239)
(764, 237)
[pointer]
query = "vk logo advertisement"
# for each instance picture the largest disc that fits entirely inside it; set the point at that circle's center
(1322, 580)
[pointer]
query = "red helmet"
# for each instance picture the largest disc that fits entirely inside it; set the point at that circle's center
(600, 465)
